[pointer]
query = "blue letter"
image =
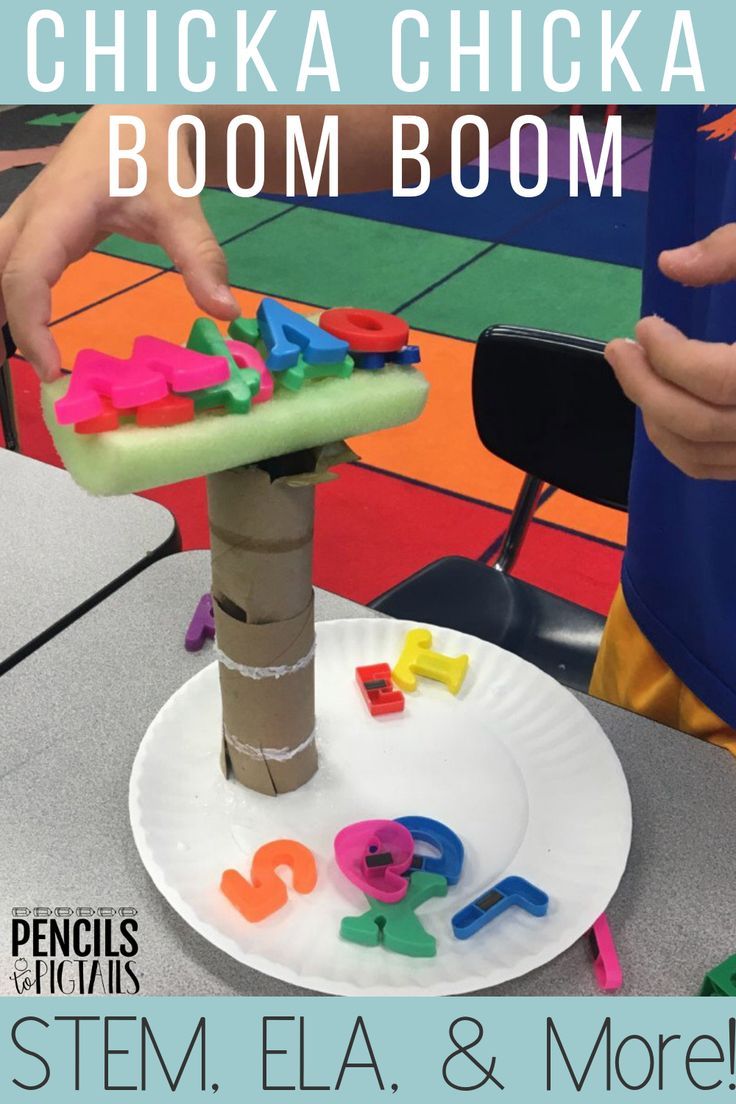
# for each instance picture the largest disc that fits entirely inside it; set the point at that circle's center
(287, 334)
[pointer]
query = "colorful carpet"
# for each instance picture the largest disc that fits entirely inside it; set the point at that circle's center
(452, 267)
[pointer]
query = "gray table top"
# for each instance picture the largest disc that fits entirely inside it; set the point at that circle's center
(75, 711)
(60, 547)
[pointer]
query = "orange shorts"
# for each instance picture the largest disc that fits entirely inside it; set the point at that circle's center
(628, 672)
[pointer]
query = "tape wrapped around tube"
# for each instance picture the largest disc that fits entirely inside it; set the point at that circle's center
(268, 713)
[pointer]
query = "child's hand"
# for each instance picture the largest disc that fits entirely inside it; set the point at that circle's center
(67, 211)
(686, 389)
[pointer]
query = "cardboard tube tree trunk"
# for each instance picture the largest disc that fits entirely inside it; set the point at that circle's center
(261, 526)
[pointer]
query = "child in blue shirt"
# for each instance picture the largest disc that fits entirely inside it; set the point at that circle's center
(668, 650)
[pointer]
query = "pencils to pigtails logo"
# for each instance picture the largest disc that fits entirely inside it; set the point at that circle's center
(74, 952)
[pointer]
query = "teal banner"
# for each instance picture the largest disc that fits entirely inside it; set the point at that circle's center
(357, 52)
(250, 1049)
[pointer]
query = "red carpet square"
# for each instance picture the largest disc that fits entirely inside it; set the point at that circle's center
(373, 530)
(581, 570)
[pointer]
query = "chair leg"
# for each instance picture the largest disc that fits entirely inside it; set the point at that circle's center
(7, 409)
(519, 524)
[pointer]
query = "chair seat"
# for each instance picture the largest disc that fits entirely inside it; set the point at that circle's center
(558, 636)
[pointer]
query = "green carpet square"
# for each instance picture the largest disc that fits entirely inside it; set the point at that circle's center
(329, 259)
(227, 215)
(522, 287)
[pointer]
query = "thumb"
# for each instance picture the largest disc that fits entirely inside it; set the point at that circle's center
(187, 237)
(710, 261)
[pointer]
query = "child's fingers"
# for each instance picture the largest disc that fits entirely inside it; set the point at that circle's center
(705, 368)
(710, 261)
(9, 226)
(53, 236)
(35, 264)
(682, 413)
(700, 461)
(697, 437)
(186, 236)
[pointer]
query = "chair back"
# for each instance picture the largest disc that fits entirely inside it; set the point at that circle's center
(549, 403)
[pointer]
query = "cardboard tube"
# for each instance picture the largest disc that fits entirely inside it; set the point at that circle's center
(261, 533)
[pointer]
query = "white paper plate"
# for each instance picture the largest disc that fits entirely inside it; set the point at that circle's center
(515, 765)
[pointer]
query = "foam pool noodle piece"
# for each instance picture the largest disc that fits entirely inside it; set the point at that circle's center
(242, 384)
(137, 459)
(288, 334)
(397, 926)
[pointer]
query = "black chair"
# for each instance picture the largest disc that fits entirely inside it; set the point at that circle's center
(7, 408)
(549, 404)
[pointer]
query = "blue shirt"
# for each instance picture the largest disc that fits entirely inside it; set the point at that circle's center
(679, 574)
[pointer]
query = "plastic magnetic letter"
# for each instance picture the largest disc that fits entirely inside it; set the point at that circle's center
(202, 625)
(265, 893)
(247, 356)
(184, 369)
(153, 367)
(171, 410)
(410, 354)
(373, 362)
(606, 965)
(237, 392)
(293, 378)
(107, 420)
(126, 383)
(417, 658)
(396, 927)
(721, 981)
(509, 892)
(373, 854)
(378, 690)
(246, 330)
(366, 331)
(288, 334)
(449, 862)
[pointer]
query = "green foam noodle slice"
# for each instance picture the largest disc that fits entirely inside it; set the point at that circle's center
(133, 458)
